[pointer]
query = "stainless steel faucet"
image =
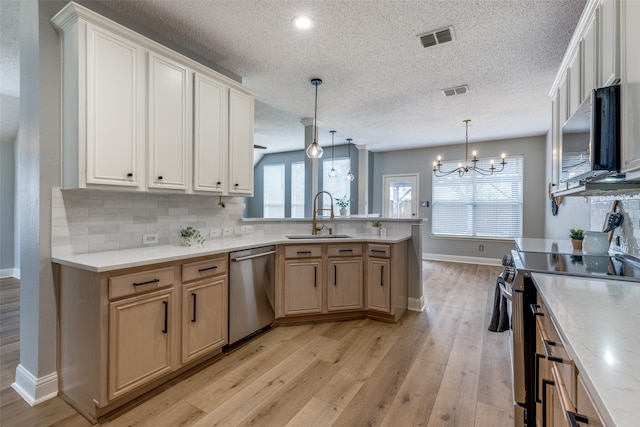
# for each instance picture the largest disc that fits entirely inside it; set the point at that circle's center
(314, 224)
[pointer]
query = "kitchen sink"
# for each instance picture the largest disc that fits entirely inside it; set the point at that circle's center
(320, 236)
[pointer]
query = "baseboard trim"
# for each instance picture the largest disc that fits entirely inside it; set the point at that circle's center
(416, 304)
(35, 390)
(462, 259)
(9, 272)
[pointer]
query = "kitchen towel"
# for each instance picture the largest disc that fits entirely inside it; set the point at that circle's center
(500, 317)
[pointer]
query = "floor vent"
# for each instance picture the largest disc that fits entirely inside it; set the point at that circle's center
(458, 90)
(437, 37)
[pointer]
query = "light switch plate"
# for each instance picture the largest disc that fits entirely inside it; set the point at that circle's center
(248, 229)
(149, 239)
(215, 232)
(227, 231)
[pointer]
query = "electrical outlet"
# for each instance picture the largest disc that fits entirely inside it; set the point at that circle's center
(481, 248)
(227, 231)
(238, 230)
(215, 232)
(149, 239)
(248, 229)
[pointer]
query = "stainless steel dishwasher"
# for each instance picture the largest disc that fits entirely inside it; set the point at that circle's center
(251, 291)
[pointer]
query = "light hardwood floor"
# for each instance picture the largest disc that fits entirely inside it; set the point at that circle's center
(440, 367)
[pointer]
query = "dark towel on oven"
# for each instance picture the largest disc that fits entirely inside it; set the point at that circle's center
(500, 317)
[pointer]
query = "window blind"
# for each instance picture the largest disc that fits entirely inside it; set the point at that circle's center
(273, 191)
(476, 205)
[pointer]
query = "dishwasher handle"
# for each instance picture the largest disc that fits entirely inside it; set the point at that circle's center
(244, 258)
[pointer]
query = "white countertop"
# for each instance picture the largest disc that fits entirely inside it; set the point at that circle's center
(125, 258)
(558, 246)
(599, 321)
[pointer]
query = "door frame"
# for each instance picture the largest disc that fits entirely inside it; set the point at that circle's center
(412, 177)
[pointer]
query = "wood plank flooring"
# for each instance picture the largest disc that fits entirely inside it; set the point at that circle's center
(441, 367)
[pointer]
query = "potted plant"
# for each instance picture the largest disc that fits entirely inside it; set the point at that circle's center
(576, 236)
(376, 226)
(343, 202)
(189, 235)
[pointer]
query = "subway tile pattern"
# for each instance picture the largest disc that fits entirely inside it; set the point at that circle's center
(628, 234)
(85, 221)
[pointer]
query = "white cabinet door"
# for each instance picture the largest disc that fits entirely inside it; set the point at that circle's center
(114, 111)
(169, 124)
(589, 55)
(630, 87)
(240, 143)
(210, 118)
(608, 43)
(574, 83)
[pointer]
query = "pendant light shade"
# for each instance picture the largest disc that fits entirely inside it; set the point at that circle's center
(314, 151)
(350, 175)
(332, 172)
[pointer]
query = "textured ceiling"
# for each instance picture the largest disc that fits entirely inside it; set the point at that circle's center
(381, 87)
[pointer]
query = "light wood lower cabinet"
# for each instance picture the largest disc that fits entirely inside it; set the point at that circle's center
(123, 333)
(329, 280)
(560, 394)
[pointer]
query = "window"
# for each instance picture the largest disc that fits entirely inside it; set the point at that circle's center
(297, 190)
(273, 192)
(475, 205)
(339, 186)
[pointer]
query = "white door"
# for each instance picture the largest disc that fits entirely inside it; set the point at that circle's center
(400, 198)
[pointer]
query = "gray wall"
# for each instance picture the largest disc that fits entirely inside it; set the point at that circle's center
(7, 206)
(421, 160)
(255, 203)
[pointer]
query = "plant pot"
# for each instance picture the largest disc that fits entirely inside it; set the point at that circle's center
(343, 211)
(577, 244)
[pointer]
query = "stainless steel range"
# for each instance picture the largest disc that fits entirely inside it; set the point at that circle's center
(520, 290)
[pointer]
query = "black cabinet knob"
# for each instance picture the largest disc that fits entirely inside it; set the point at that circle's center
(129, 175)
(160, 178)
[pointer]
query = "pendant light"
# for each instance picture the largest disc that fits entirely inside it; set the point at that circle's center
(332, 172)
(350, 176)
(314, 151)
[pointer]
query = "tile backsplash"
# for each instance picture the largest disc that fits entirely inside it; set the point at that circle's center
(628, 234)
(86, 221)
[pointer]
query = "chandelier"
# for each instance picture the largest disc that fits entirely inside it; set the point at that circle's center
(467, 168)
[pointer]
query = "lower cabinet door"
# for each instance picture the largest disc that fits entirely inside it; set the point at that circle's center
(344, 284)
(303, 286)
(140, 340)
(378, 285)
(204, 317)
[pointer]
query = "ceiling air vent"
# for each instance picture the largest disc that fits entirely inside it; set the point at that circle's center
(458, 90)
(433, 38)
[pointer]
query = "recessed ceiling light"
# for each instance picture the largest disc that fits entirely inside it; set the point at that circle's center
(303, 22)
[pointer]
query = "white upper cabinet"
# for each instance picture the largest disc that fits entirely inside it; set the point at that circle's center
(137, 115)
(630, 87)
(575, 83)
(240, 143)
(210, 134)
(609, 57)
(588, 47)
(169, 119)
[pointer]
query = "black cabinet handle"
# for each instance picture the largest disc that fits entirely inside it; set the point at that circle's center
(207, 269)
(345, 250)
(545, 383)
(304, 252)
(382, 275)
(129, 175)
(547, 351)
(574, 418)
(166, 317)
(534, 310)
(335, 275)
(378, 251)
(536, 392)
(194, 296)
(160, 178)
(147, 282)
(315, 276)
(236, 185)
(218, 183)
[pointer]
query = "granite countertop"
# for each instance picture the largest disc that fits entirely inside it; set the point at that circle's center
(598, 321)
(125, 258)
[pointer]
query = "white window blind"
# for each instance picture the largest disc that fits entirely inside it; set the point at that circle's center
(273, 192)
(339, 186)
(297, 190)
(475, 205)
